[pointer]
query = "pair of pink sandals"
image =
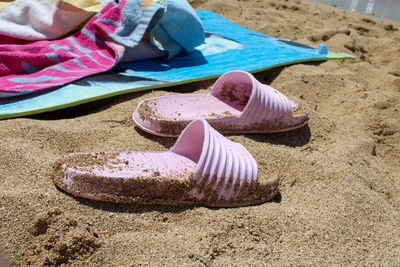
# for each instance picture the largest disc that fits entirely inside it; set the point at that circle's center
(203, 167)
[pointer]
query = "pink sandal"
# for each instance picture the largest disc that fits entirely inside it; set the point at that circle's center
(202, 168)
(237, 103)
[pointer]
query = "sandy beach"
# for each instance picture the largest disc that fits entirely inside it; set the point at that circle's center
(339, 200)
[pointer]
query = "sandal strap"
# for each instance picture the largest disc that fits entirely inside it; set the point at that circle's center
(224, 168)
(266, 104)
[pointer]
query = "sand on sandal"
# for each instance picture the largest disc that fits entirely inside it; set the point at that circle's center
(339, 176)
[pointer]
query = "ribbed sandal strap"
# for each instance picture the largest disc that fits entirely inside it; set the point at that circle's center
(266, 104)
(225, 169)
(263, 108)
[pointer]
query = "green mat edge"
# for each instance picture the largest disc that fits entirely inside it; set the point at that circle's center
(43, 110)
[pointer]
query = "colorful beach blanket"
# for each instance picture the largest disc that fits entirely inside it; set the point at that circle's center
(121, 31)
(227, 47)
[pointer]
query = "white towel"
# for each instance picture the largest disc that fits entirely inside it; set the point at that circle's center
(45, 19)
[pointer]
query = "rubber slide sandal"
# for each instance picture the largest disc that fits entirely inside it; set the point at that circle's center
(237, 103)
(202, 168)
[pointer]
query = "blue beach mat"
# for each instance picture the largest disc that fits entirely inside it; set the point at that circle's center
(228, 46)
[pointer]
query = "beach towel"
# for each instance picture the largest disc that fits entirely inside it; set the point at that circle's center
(120, 30)
(227, 47)
(45, 19)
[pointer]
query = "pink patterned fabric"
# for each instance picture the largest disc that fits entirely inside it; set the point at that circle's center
(29, 67)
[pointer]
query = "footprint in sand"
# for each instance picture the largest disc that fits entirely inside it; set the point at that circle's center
(59, 238)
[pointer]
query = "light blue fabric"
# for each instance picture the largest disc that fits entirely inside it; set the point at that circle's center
(171, 26)
(135, 22)
(179, 25)
(322, 48)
